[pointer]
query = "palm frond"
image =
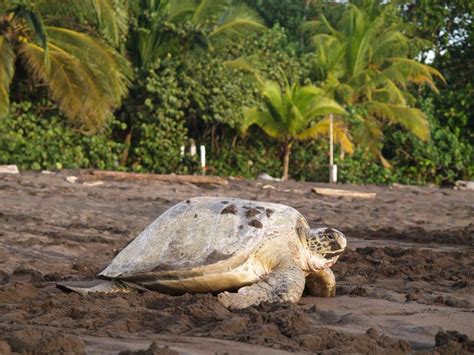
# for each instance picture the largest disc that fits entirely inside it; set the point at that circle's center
(341, 137)
(112, 71)
(413, 119)
(390, 93)
(389, 44)
(67, 80)
(112, 19)
(304, 97)
(295, 121)
(417, 72)
(237, 22)
(179, 10)
(318, 129)
(264, 120)
(310, 27)
(208, 8)
(326, 26)
(72, 84)
(36, 24)
(367, 133)
(329, 51)
(324, 106)
(273, 96)
(321, 129)
(7, 70)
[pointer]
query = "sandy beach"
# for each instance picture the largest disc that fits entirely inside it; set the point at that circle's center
(405, 283)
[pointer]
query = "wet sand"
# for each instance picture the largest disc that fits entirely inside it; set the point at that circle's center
(405, 284)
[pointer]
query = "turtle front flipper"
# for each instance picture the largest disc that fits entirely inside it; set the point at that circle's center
(284, 283)
(97, 286)
(321, 283)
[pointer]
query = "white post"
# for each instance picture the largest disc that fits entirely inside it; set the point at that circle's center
(192, 150)
(203, 159)
(332, 167)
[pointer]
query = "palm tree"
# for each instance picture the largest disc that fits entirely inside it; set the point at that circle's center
(295, 113)
(84, 75)
(174, 26)
(364, 62)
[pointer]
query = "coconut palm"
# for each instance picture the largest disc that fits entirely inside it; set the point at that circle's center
(173, 26)
(364, 62)
(295, 113)
(86, 77)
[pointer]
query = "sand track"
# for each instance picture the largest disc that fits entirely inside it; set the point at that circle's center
(407, 274)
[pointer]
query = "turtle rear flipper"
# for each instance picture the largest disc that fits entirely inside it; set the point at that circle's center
(99, 286)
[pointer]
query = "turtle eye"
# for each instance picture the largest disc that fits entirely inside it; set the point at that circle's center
(330, 234)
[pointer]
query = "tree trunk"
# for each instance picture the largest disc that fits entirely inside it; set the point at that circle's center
(127, 142)
(305, 16)
(286, 159)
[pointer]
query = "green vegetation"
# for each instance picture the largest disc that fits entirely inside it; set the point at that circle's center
(86, 77)
(363, 61)
(37, 137)
(294, 113)
(118, 84)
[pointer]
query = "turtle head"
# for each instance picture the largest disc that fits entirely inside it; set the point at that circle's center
(324, 246)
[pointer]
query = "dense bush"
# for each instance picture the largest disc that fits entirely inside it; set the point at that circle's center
(157, 148)
(241, 157)
(38, 137)
(443, 160)
(157, 122)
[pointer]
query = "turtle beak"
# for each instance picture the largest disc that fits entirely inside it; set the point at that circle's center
(340, 239)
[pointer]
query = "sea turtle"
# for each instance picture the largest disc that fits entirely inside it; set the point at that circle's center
(264, 251)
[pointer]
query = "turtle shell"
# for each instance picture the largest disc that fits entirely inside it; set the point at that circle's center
(203, 231)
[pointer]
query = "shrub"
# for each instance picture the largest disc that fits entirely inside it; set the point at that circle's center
(37, 137)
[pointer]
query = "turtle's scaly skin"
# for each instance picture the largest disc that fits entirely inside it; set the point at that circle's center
(210, 244)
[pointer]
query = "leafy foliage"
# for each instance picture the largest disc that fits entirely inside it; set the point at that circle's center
(442, 160)
(246, 157)
(159, 129)
(37, 137)
(450, 27)
(286, 13)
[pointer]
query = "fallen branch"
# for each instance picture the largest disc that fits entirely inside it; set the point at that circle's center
(121, 176)
(345, 193)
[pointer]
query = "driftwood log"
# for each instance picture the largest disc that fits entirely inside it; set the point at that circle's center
(344, 193)
(9, 169)
(122, 176)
